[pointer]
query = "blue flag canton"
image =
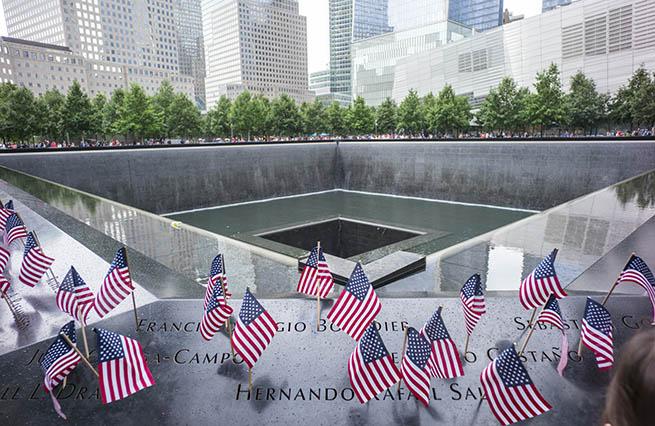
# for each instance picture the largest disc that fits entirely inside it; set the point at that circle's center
(321, 255)
(110, 344)
(213, 303)
(511, 369)
(598, 317)
(9, 205)
(72, 280)
(640, 266)
(472, 287)
(12, 222)
(59, 347)
(435, 329)
(217, 266)
(312, 260)
(552, 305)
(250, 309)
(418, 349)
(371, 345)
(546, 267)
(358, 284)
(120, 260)
(30, 243)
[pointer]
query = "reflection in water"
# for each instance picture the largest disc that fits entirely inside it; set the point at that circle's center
(641, 189)
(504, 268)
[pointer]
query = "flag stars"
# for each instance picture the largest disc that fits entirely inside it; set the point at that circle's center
(358, 284)
(510, 369)
(372, 346)
(250, 309)
(111, 346)
(435, 329)
(418, 349)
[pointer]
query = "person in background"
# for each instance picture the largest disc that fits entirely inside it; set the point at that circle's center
(631, 393)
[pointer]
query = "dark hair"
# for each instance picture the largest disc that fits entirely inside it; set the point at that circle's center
(631, 394)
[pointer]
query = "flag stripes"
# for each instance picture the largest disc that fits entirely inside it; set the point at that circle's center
(254, 330)
(116, 286)
(4, 258)
(35, 263)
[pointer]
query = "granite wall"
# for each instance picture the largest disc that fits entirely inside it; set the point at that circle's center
(530, 175)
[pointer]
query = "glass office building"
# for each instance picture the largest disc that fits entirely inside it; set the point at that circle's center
(481, 15)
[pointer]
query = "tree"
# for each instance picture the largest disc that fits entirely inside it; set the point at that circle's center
(360, 118)
(583, 104)
(111, 112)
(410, 117)
(501, 109)
(218, 118)
(18, 113)
(287, 120)
(428, 109)
(385, 116)
(451, 113)
(241, 117)
(98, 104)
(641, 96)
(184, 120)
(77, 113)
(51, 105)
(335, 119)
(162, 102)
(619, 107)
(313, 117)
(261, 113)
(547, 105)
(137, 116)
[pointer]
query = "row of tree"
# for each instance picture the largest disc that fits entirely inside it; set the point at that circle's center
(508, 108)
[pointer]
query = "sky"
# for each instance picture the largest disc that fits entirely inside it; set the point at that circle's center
(318, 32)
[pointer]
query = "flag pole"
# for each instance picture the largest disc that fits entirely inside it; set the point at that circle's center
(86, 344)
(249, 379)
(616, 282)
(532, 327)
(318, 289)
(466, 345)
(402, 355)
(228, 326)
(136, 318)
(86, 361)
(11, 308)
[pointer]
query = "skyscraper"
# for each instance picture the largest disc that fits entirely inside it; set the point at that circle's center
(547, 5)
(478, 14)
(191, 49)
(254, 45)
(121, 41)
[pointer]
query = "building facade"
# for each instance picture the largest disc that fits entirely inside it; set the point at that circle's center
(191, 47)
(547, 5)
(255, 45)
(481, 15)
(121, 41)
(606, 39)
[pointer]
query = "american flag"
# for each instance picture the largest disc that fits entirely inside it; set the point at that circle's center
(116, 286)
(4, 286)
(473, 302)
(509, 390)
(414, 366)
(540, 284)
(75, 297)
(371, 367)
(216, 313)
(216, 272)
(4, 258)
(122, 366)
(254, 330)
(597, 333)
(15, 229)
(551, 314)
(444, 362)
(637, 272)
(60, 359)
(5, 212)
(357, 305)
(315, 275)
(35, 263)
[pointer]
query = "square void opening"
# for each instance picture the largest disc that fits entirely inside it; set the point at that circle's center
(340, 237)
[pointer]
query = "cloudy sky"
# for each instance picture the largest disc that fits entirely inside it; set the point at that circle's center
(318, 43)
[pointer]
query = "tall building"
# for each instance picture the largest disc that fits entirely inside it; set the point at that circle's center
(254, 45)
(122, 41)
(547, 5)
(481, 15)
(191, 48)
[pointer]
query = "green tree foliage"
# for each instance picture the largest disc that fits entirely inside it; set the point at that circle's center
(641, 98)
(452, 113)
(111, 113)
(19, 113)
(261, 112)
(185, 120)
(428, 110)
(410, 116)
(241, 117)
(385, 116)
(335, 119)
(360, 117)
(286, 116)
(313, 117)
(51, 105)
(98, 104)
(546, 106)
(584, 105)
(162, 103)
(503, 107)
(77, 113)
(137, 116)
(218, 118)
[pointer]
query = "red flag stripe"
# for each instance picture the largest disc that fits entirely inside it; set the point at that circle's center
(417, 380)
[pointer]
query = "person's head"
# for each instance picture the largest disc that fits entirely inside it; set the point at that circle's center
(631, 394)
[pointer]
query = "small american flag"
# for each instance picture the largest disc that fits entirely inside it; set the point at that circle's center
(371, 367)
(414, 366)
(637, 272)
(254, 330)
(444, 362)
(35, 263)
(315, 275)
(357, 305)
(540, 284)
(472, 302)
(116, 286)
(551, 314)
(122, 366)
(5, 212)
(217, 311)
(15, 229)
(60, 359)
(509, 390)
(4, 286)
(597, 333)
(216, 272)
(75, 297)
(4, 258)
